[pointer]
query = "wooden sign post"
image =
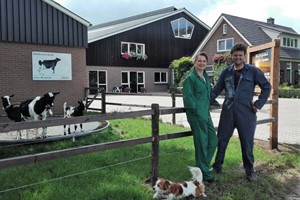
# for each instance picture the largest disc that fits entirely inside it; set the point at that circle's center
(267, 57)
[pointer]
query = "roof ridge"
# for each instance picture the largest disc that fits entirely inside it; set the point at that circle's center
(134, 17)
(260, 22)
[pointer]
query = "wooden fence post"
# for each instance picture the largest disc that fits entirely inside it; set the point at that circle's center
(173, 106)
(274, 74)
(103, 101)
(155, 143)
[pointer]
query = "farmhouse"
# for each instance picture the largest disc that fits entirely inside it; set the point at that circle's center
(229, 30)
(42, 48)
(135, 52)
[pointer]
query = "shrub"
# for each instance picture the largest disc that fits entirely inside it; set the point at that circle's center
(286, 91)
(181, 67)
(221, 61)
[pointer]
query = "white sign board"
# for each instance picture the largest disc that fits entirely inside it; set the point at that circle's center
(51, 66)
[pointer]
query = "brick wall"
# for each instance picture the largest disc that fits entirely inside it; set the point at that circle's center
(114, 77)
(211, 46)
(16, 75)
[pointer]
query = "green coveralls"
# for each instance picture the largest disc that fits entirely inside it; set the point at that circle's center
(196, 99)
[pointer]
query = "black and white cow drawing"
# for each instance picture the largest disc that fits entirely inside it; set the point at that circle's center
(48, 64)
(38, 108)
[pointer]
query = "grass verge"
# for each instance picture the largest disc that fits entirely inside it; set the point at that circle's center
(120, 173)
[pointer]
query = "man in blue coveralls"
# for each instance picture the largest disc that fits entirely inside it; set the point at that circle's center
(239, 110)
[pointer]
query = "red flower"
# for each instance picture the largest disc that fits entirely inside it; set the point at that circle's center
(126, 56)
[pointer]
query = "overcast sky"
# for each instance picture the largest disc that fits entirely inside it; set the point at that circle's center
(285, 12)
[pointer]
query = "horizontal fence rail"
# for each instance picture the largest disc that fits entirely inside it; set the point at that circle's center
(155, 112)
(14, 126)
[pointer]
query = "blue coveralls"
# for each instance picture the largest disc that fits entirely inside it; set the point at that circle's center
(237, 111)
(196, 99)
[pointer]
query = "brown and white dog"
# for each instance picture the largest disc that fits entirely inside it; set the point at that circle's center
(165, 189)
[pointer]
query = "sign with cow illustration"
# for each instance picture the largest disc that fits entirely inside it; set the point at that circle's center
(51, 66)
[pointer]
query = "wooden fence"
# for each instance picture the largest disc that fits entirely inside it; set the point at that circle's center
(155, 137)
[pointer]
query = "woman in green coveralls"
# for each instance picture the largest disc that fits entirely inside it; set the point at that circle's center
(196, 99)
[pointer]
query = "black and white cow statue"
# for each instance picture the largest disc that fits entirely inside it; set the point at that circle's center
(12, 111)
(71, 111)
(38, 108)
(117, 89)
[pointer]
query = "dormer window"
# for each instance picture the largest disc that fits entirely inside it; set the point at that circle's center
(224, 29)
(182, 28)
(290, 42)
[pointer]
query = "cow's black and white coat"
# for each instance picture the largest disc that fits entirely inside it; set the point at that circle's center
(71, 111)
(48, 64)
(38, 108)
(117, 89)
(12, 111)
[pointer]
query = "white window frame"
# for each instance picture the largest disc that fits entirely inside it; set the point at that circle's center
(128, 77)
(289, 70)
(176, 31)
(98, 78)
(224, 40)
(137, 81)
(289, 42)
(160, 76)
(139, 48)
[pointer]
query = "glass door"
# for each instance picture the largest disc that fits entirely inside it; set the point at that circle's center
(141, 82)
(97, 79)
(133, 81)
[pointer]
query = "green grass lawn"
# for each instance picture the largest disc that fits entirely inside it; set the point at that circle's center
(119, 174)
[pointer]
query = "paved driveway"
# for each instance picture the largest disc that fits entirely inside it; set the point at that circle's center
(289, 112)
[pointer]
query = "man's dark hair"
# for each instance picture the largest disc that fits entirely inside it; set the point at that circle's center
(238, 47)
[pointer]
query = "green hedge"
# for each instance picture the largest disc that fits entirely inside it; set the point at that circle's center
(289, 92)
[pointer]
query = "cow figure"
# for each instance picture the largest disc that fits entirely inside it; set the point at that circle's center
(71, 111)
(38, 108)
(117, 89)
(47, 64)
(12, 111)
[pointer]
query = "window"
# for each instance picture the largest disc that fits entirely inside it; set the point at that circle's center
(182, 28)
(136, 50)
(224, 29)
(289, 72)
(134, 80)
(297, 75)
(224, 44)
(290, 42)
(160, 77)
(97, 79)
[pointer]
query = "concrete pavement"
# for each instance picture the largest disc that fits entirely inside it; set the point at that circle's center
(289, 112)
